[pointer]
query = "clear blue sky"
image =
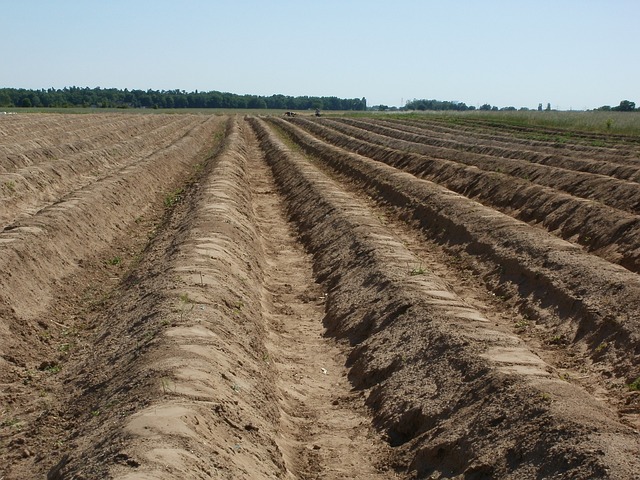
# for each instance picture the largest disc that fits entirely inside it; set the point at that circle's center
(571, 53)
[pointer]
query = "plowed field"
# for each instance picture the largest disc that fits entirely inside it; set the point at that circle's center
(191, 296)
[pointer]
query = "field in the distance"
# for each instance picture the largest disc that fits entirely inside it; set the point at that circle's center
(350, 296)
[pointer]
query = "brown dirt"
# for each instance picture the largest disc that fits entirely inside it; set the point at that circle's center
(211, 297)
(604, 230)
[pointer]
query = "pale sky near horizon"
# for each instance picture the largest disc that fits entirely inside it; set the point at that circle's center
(574, 54)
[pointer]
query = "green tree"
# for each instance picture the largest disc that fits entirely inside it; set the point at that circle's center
(5, 99)
(626, 106)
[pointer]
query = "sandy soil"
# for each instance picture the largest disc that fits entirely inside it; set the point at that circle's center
(226, 297)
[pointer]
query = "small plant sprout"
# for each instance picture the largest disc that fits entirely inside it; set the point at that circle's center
(115, 261)
(557, 340)
(186, 305)
(13, 422)
(173, 198)
(53, 369)
(166, 385)
(601, 347)
(564, 376)
(521, 324)
(418, 270)
(635, 385)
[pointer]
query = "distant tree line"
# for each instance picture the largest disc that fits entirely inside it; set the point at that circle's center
(424, 104)
(625, 106)
(116, 98)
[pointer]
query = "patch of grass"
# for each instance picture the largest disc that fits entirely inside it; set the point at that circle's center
(53, 369)
(114, 261)
(558, 340)
(418, 270)
(186, 305)
(165, 382)
(10, 186)
(28, 377)
(521, 324)
(603, 346)
(635, 385)
(13, 422)
(173, 198)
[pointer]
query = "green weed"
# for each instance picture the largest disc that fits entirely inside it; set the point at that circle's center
(186, 305)
(635, 385)
(418, 270)
(166, 385)
(601, 347)
(53, 369)
(10, 186)
(173, 198)
(114, 261)
(13, 422)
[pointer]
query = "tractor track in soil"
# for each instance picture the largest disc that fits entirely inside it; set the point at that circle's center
(298, 310)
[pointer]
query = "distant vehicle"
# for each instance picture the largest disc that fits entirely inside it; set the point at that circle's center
(289, 114)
